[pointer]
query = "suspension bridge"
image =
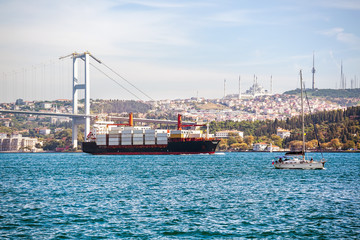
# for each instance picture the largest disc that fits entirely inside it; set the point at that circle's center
(50, 81)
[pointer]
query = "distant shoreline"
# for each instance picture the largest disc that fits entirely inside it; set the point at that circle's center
(338, 151)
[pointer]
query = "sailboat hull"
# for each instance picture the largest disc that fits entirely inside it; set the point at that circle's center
(299, 165)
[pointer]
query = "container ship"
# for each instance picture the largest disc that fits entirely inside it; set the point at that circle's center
(108, 138)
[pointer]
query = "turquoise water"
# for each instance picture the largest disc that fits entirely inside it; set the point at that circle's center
(231, 196)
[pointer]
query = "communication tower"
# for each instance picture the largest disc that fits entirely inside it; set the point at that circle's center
(313, 72)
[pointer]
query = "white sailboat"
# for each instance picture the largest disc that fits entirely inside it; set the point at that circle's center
(296, 160)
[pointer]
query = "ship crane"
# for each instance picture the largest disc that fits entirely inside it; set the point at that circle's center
(180, 125)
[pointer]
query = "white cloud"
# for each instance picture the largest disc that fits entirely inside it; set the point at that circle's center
(341, 4)
(342, 36)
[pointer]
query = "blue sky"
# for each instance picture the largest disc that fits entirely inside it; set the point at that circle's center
(178, 49)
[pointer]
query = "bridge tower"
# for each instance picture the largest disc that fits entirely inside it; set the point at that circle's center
(77, 86)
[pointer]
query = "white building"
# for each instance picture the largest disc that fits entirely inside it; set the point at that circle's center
(283, 133)
(228, 133)
(44, 131)
(18, 143)
(260, 146)
(46, 105)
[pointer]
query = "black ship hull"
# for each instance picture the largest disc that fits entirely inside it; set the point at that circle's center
(176, 147)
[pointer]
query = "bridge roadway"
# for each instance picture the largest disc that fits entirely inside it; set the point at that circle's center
(79, 116)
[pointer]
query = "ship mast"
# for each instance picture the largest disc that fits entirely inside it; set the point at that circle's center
(302, 117)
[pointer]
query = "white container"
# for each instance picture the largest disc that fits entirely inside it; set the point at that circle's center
(138, 131)
(175, 132)
(126, 143)
(127, 131)
(149, 142)
(161, 142)
(126, 136)
(162, 138)
(114, 135)
(150, 131)
(138, 135)
(162, 134)
(161, 131)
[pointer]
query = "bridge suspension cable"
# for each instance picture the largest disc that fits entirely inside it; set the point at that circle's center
(115, 81)
(126, 81)
(113, 71)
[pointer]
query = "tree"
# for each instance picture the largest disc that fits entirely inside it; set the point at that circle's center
(295, 145)
(231, 141)
(335, 144)
(51, 145)
(311, 144)
(277, 140)
(349, 145)
(64, 133)
(223, 145)
(243, 146)
(235, 146)
(249, 140)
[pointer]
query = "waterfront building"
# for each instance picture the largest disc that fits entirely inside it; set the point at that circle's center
(17, 143)
(260, 146)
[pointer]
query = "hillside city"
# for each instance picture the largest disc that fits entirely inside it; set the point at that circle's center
(250, 107)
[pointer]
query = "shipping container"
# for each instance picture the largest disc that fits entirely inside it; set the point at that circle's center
(127, 132)
(161, 131)
(162, 138)
(138, 135)
(162, 134)
(138, 131)
(149, 137)
(126, 136)
(176, 135)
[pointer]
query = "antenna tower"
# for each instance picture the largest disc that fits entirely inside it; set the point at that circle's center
(313, 72)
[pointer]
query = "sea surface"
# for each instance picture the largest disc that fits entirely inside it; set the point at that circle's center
(221, 196)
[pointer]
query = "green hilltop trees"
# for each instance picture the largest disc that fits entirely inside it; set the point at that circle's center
(337, 130)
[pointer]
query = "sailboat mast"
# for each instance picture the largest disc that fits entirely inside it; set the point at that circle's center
(302, 116)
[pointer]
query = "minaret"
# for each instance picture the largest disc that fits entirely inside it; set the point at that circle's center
(342, 84)
(271, 85)
(313, 72)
